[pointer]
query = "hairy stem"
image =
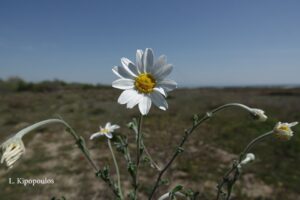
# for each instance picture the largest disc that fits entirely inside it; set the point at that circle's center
(138, 154)
(253, 142)
(28, 129)
(117, 169)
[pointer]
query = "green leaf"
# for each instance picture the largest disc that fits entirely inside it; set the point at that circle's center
(191, 194)
(146, 160)
(177, 188)
(132, 196)
(163, 182)
(180, 149)
(195, 119)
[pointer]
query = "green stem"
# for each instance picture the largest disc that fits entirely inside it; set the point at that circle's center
(138, 154)
(28, 129)
(225, 180)
(253, 142)
(117, 169)
(233, 105)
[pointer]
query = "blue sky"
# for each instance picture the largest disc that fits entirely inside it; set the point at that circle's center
(210, 43)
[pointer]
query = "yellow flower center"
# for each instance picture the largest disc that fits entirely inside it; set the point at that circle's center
(105, 130)
(13, 146)
(284, 128)
(145, 83)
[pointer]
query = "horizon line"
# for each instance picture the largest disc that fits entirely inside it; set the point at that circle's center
(282, 85)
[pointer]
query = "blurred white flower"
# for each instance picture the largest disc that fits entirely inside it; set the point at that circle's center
(167, 196)
(106, 131)
(283, 131)
(259, 114)
(144, 82)
(12, 150)
(249, 158)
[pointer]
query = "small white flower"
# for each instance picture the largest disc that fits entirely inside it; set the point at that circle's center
(259, 114)
(106, 131)
(144, 82)
(12, 150)
(283, 131)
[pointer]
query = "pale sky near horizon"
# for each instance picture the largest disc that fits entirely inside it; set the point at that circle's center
(210, 43)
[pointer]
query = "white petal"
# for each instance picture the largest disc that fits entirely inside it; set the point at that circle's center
(129, 66)
(160, 90)
(10, 163)
(145, 105)
(108, 135)
(126, 96)
(148, 60)
(2, 159)
(13, 159)
(167, 85)
(163, 71)
(138, 97)
(13, 153)
(107, 125)
(95, 135)
(123, 84)
(121, 72)
(115, 126)
(161, 61)
(159, 100)
(10, 153)
(293, 124)
(139, 60)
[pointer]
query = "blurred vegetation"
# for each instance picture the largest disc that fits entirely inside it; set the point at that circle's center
(16, 84)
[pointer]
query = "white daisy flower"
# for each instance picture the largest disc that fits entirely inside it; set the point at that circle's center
(259, 114)
(106, 131)
(12, 150)
(283, 131)
(144, 82)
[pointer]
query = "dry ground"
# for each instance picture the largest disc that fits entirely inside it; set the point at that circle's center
(51, 153)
